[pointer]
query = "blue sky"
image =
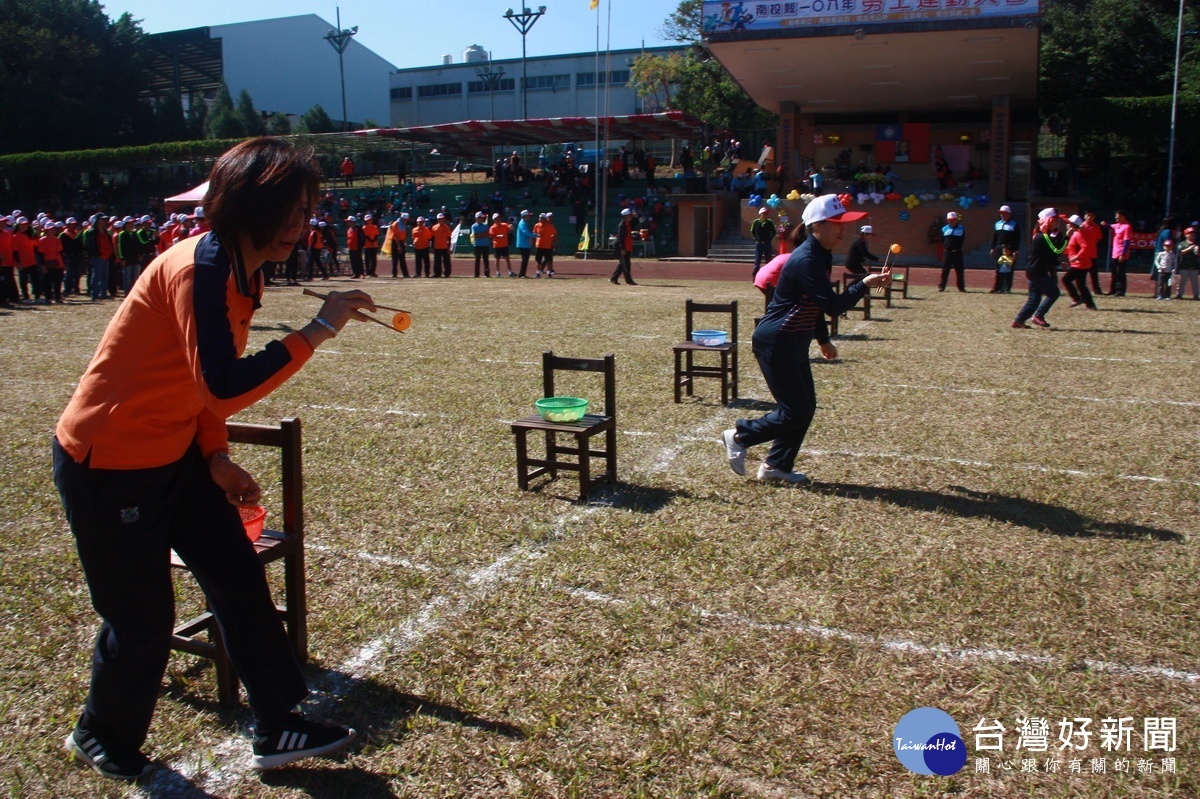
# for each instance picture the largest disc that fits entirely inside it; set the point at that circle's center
(411, 34)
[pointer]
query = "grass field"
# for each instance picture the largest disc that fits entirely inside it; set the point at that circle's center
(1004, 525)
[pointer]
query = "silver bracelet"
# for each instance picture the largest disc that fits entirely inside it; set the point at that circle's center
(333, 331)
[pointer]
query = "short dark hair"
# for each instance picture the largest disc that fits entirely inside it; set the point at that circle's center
(253, 188)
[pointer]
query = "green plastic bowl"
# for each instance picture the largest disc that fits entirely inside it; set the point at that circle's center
(562, 409)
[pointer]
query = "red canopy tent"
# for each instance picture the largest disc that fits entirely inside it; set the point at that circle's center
(189, 199)
(475, 134)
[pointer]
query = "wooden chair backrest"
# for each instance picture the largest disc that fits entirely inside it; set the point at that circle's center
(552, 363)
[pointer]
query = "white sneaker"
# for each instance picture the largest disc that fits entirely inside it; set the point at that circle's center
(768, 472)
(539, 273)
(734, 451)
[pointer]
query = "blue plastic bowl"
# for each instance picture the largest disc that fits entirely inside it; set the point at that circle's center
(709, 338)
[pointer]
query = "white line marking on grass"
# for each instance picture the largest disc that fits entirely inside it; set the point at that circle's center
(350, 409)
(199, 776)
(386, 560)
(1013, 393)
(1029, 467)
(903, 645)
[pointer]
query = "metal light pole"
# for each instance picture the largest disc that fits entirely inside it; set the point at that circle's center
(523, 22)
(1174, 107)
(491, 82)
(340, 39)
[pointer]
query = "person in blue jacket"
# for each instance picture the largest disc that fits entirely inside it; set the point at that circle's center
(525, 239)
(795, 316)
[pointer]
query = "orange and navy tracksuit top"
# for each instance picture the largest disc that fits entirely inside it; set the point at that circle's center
(169, 369)
(49, 246)
(500, 232)
(441, 236)
(421, 237)
(547, 235)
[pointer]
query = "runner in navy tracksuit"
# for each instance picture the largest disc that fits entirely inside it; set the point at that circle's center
(794, 318)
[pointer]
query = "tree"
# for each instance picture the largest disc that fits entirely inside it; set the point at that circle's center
(252, 121)
(698, 86)
(685, 23)
(316, 120)
(82, 71)
(223, 120)
(279, 124)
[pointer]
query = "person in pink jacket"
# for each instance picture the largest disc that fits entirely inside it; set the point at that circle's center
(1121, 232)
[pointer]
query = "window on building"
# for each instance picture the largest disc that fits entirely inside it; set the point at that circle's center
(439, 90)
(502, 85)
(402, 92)
(550, 82)
(586, 80)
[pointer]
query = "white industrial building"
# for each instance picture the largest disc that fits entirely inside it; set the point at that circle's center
(286, 64)
(578, 84)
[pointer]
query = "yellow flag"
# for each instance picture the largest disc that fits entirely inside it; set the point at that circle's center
(584, 241)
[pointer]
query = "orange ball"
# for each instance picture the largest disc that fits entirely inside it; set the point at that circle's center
(402, 321)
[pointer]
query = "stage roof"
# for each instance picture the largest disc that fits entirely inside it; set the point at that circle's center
(476, 134)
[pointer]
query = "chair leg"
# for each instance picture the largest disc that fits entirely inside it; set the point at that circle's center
(678, 375)
(585, 467)
(552, 454)
(227, 680)
(691, 380)
(734, 358)
(295, 593)
(522, 458)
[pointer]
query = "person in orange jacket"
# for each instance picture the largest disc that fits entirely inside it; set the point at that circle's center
(501, 232)
(370, 245)
(49, 250)
(25, 256)
(441, 247)
(354, 246)
(316, 248)
(546, 236)
(422, 239)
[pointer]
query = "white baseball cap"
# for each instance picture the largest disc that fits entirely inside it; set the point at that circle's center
(866, 230)
(762, 210)
(952, 215)
(828, 208)
(1076, 220)
(1046, 213)
(1005, 209)
(626, 212)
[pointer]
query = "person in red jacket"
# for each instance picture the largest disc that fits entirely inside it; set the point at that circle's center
(25, 259)
(142, 464)
(9, 294)
(1079, 262)
(625, 248)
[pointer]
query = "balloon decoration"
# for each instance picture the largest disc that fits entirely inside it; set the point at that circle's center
(892, 195)
(965, 202)
(793, 195)
(982, 200)
(877, 197)
(755, 200)
(773, 201)
(912, 201)
(905, 216)
(845, 199)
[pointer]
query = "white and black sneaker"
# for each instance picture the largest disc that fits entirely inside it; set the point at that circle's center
(82, 745)
(296, 739)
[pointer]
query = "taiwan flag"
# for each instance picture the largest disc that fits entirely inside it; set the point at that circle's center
(915, 138)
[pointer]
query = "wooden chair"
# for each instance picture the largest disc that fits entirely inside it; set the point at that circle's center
(899, 283)
(201, 636)
(577, 458)
(686, 369)
(865, 306)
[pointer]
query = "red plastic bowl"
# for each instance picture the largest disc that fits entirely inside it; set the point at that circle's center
(252, 520)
